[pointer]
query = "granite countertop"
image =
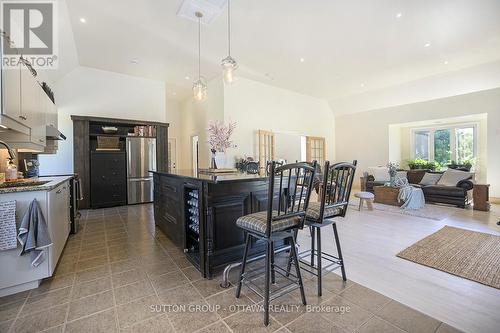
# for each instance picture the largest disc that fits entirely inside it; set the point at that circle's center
(52, 182)
(219, 178)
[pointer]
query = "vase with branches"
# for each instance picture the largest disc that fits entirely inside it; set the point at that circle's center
(219, 139)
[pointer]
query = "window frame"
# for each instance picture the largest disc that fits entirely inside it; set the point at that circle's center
(453, 139)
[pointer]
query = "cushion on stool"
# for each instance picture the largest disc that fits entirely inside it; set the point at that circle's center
(364, 195)
(314, 209)
(258, 222)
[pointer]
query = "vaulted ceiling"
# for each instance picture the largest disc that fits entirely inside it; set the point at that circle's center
(346, 47)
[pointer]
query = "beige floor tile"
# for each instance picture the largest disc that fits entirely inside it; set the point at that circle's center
(407, 319)
(251, 322)
(197, 315)
(57, 282)
(10, 310)
(182, 262)
(57, 329)
(218, 327)
(40, 321)
(102, 322)
(366, 298)
(133, 291)
(93, 273)
(228, 302)
(168, 281)
(44, 301)
(125, 265)
(90, 254)
(90, 304)
(14, 297)
(183, 294)
(208, 287)
(128, 277)
(64, 268)
(91, 287)
(136, 311)
(345, 314)
(377, 325)
(5, 325)
(287, 308)
(445, 328)
(192, 273)
(159, 324)
(334, 283)
(91, 263)
(312, 322)
(153, 270)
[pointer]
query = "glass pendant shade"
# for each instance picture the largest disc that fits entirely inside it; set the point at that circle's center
(229, 65)
(200, 89)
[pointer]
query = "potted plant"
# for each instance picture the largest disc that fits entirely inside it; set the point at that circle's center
(420, 164)
(466, 165)
(219, 136)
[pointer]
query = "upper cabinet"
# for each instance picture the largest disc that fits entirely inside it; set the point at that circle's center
(26, 109)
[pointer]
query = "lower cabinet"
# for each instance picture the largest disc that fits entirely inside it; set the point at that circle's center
(17, 273)
(108, 179)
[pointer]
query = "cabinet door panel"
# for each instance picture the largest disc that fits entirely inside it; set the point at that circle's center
(11, 93)
(58, 220)
(224, 216)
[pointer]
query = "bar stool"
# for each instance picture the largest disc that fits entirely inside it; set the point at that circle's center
(337, 184)
(279, 222)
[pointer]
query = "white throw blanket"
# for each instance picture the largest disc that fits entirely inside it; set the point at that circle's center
(412, 197)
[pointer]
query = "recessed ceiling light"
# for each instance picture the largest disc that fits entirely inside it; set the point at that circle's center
(362, 85)
(174, 93)
(83, 20)
(134, 61)
(399, 15)
(446, 62)
(187, 77)
(427, 44)
(302, 60)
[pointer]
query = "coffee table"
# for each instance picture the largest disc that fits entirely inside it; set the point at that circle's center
(387, 195)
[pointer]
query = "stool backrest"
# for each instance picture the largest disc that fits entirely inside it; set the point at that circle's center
(337, 185)
(289, 181)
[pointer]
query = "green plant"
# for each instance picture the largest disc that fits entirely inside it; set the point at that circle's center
(423, 164)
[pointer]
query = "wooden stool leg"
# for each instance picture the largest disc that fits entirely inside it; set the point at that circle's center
(369, 203)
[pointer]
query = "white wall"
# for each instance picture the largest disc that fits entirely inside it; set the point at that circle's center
(92, 92)
(254, 105)
(365, 135)
(288, 147)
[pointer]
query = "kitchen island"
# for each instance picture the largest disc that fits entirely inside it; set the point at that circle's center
(198, 212)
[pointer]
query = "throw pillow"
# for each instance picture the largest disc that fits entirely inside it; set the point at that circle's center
(381, 174)
(451, 177)
(430, 178)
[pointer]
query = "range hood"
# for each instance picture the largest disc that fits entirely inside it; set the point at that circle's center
(53, 133)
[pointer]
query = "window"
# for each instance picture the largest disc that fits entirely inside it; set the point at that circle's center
(315, 149)
(445, 144)
(266, 148)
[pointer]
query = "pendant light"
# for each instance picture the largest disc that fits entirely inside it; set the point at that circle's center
(228, 64)
(200, 85)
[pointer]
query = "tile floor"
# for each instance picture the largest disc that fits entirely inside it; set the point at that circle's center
(119, 270)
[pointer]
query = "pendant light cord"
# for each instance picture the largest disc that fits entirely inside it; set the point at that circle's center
(229, 26)
(199, 47)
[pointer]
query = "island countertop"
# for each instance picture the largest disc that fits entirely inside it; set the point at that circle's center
(211, 178)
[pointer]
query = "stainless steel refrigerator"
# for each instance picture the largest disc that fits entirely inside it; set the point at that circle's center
(141, 159)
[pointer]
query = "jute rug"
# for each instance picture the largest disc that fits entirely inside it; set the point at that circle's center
(468, 254)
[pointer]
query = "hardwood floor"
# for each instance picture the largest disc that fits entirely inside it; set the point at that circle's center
(370, 241)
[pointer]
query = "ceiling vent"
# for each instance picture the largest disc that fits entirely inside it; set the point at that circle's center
(211, 9)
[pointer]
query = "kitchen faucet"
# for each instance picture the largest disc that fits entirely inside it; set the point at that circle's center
(12, 154)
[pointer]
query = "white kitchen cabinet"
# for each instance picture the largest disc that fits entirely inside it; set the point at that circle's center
(17, 273)
(11, 93)
(58, 215)
(32, 108)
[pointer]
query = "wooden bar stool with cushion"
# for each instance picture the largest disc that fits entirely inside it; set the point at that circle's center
(337, 184)
(278, 222)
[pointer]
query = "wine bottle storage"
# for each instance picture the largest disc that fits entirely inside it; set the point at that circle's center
(192, 210)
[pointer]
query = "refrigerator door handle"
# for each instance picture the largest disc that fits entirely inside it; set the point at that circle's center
(140, 179)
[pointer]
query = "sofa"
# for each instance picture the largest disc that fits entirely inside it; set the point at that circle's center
(458, 195)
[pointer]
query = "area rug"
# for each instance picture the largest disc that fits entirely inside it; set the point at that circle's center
(468, 254)
(432, 212)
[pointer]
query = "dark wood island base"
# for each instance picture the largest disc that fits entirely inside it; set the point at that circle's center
(199, 212)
